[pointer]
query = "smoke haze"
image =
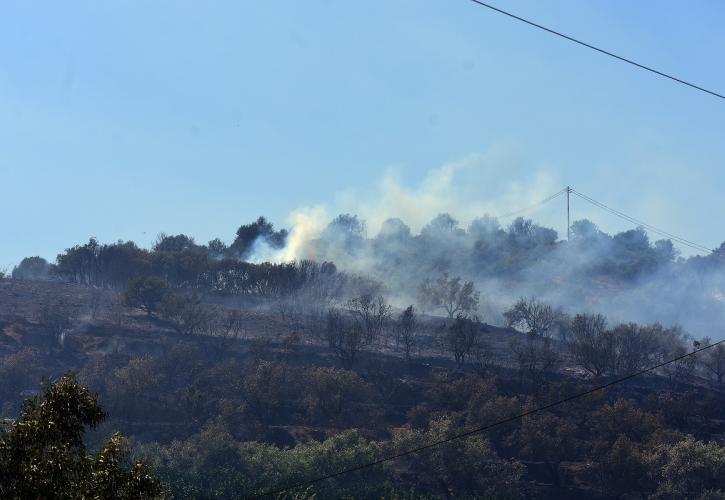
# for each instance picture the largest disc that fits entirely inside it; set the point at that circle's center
(446, 223)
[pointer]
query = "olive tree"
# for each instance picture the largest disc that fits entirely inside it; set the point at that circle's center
(714, 360)
(57, 318)
(592, 345)
(345, 336)
(146, 293)
(407, 331)
(450, 294)
(371, 313)
(533, 316)
(461, 337)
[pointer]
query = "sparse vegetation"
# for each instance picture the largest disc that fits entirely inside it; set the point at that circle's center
(233, 378)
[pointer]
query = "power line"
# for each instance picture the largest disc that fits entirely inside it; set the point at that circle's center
(617, 213)
(484, 428)
(537, 204)
(654, 229)
(610, 54)
(661, 232)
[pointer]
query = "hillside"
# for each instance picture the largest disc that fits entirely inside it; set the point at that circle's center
(278, 381)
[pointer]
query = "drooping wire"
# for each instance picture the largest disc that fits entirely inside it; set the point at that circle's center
(602, 51)
(617, 213)
(661, 232)
(535, 205)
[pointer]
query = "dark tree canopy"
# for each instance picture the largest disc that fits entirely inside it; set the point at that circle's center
(217, 248)
(346, 232)
(532, 316)
(42, 454)
(31, 268)
(173, 243)
(248, 234)
(146, 293)
(441, 226)
(461, 337)
(394, 228)
(451, 294)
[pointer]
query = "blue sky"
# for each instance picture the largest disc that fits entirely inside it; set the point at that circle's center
(124, 119)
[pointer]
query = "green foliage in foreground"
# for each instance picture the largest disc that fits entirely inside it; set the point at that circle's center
(212, 464)
(42, 454)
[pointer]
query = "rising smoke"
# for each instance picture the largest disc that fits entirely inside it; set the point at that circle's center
(401, 235)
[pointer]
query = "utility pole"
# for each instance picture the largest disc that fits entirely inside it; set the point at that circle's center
(568, 225)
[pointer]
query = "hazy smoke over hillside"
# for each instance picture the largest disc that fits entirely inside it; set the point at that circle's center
(467, 189)
(402, 235)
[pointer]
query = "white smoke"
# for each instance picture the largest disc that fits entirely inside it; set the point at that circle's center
(467, 188)
(306, 225)
(470, 188)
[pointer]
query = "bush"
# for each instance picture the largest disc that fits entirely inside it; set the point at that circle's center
(146, 293)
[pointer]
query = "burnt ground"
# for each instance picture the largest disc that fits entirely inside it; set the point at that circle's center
(103, 326)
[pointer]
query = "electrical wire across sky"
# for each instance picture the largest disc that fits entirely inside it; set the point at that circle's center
(649, 227)
(535, 205)
(567, 191)
(617, 213)
(602, 51)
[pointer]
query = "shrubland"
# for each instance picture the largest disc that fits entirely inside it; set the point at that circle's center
(231, 378)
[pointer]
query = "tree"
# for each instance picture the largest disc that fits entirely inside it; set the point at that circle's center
(407, 330)
(550, 439)
(461, 337)
(635, 347)
(442, 225)
(175, 243)
(672, 342)
(622, 468)
(394, 230)
(102, 265)
(592, 345)
(714, 360)
(248, 234)
(332, 395)
(42, 455)
(217, 248)
(131, 388)
(532, 316)
(688, 469)
(458, 468)
(186, 313)
(345, 335)
(585, 231)
(146, 293)
(450, 294)
(534, 354)
(484, 407)
(226, 328)
(57, 318)
(624, 418)
(19, 371)
(345, 231)
(212, 464)
(80, 263)
(31, 268)
(383, 377)
(372, 313)
(481, 357)
(266, 388)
